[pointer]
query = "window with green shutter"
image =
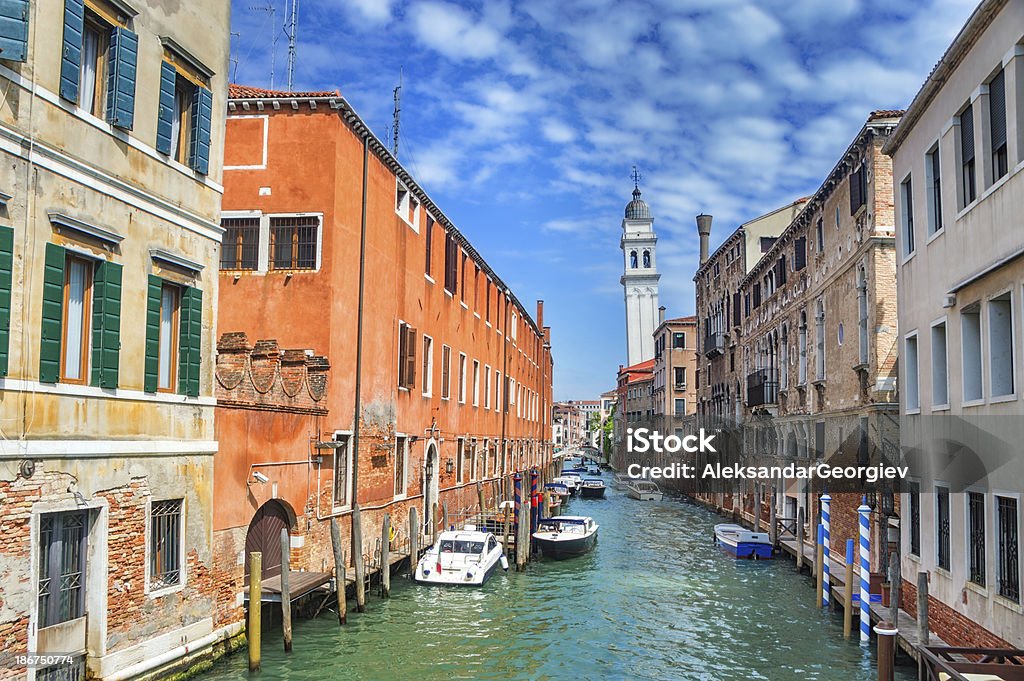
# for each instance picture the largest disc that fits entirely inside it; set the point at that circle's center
(190, 340)
(106, 324)
(51, 332)
(154, 291)
(6, 264)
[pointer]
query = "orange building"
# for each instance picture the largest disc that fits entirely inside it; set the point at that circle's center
(331, 246)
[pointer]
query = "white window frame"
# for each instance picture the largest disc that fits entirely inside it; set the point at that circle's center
(404, 440)
(183, 569)
(463, 370)
(975, 309)
(933, 210)
(487, 386)
(909, 406)
(941, 321)
(1012, 395)
(908, 229)
(402, 207)
(446, 390)
(348, 475)
(427, 380)
(499, 387)
(476, 383)
(263, 250)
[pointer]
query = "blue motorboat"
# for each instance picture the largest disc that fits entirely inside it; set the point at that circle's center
(742, 543)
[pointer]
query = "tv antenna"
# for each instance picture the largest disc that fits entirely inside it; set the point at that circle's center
(396, 115)
(234, 59)
(272, 11)
(293, 25)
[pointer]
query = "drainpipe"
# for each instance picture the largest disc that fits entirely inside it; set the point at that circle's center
(359, 335)
(504, 372)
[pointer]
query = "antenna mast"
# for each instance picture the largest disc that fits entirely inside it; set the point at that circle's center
(293, 24)
(269, 9)
(397, 115)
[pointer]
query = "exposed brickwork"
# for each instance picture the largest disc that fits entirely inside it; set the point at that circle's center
(948, 624)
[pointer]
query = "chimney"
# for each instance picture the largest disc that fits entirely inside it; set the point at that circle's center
(704, 229)
(540, 314)
(661, 315)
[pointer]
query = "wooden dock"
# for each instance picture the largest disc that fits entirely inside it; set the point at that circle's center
(300, 584)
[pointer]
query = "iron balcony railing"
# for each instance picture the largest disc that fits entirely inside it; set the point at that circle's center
(762, 387)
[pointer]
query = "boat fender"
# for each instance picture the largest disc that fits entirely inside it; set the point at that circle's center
(504, 563)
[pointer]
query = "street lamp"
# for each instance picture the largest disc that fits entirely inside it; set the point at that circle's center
(449, 466)
(429, 467)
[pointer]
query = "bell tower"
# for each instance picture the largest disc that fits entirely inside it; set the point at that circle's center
(639, 277)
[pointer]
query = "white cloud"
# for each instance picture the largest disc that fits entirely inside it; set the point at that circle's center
(453, 31)
(556, 131)
(374, 11)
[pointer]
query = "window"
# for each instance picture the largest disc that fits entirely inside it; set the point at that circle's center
(970, 334)
(799, 255)
(462, 378)
(914, 497)
(678, 341)
(77, 303)
(1007, 549)
(1000, 338)
(862, 314)
(476, 383)
(858, 188)
(165, 563)
(680, 407)
(487, 303)
(428, 245)
(907, 205)
(515, 326)
(976, 537)
(170, 313)
(293, 242)
(451, 263)
(446, 372)
(913, 400)
(819, 350)
(92, 77)
(942, 527)
(62, 567)
(997, 124)
(181, 121)
(487, 386)
(968, 184)
(820, 234)
(406, 356)
(933, 180)
(497, 390)
(462, 289)
(241, 244)
(428, 365)
(680, 377)
(465, 460)
(940, 377)
(401, 465)
(342, 471)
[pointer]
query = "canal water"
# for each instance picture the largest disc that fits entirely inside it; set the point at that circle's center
(654, 600)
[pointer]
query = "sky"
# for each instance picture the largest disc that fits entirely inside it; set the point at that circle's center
(523, 121)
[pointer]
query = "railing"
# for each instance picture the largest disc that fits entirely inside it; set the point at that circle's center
(963, 664)
(714, 344)
(762, 387)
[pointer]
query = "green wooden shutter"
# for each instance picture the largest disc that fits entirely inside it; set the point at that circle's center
(51, 335)
(13, 30)
(6, 265)
(123, 54)
(202, 115)
(152, 368)
(71, 51)
(106, 324)
(165, 115)
(190, 340)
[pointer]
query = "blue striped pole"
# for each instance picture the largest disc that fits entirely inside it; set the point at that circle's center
(826, 556)
(517, 484)
(820, 556)
(864, 511)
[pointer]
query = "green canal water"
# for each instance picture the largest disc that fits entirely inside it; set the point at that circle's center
(654, 600)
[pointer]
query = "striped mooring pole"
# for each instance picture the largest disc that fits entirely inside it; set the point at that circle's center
(534, 506)
(826, 557)
(517, 499)
(864, 511)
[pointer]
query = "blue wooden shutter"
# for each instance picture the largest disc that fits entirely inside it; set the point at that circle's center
(13, 30)
(165, 119)
(71, 56)
(202, 111)
(123, 55)
(52, 331)
(152, 367)
(106, 324)
(190, 340)
(6, 264)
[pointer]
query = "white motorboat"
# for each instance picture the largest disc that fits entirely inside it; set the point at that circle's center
(643, 490)
(742, 543)
(621, 481)
(461, 557)
(565, 536)
(571, 480)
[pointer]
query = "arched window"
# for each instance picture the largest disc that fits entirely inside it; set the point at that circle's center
(632, 259)
(647, 258)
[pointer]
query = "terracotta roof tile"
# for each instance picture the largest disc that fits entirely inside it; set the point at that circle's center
(247, 92)
(886, 113)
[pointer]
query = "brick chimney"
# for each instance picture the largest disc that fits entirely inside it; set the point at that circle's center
(704, 230)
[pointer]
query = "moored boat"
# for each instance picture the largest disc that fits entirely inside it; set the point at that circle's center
(570, 479)
(592, 487)
(621, 481)
(566, 536)
(461, 557)
(742, 543)
(643, 490)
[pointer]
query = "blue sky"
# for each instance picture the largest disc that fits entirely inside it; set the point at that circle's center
(523, 120)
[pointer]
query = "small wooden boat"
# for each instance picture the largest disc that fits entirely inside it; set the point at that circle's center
(742, 543)
(643, 490)
(461, 557)
(566, 536)
(592, 488)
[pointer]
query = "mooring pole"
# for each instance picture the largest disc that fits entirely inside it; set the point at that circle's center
(444, 516)
(523, 537)
(255, 608)
(339, 570)
(517, 492)
(286, 592)
(773, 531)
(534, 507)
(504, 534)
(848, 591)
(895, 582)
(799, 539)
(414, 542)
(923, 636)
(886, 650)
(385, 557)
(864, 511)
(826, 549)
(818, 562)
(357, 559)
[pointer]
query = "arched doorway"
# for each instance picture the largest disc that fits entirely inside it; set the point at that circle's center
(431, 475)
(264, 535)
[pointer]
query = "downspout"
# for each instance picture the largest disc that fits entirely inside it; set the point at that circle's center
(359, 333)
(504, 379)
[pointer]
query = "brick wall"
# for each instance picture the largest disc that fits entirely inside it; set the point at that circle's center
(948, 624)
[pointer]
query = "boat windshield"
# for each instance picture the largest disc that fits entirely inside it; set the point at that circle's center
(460, 546)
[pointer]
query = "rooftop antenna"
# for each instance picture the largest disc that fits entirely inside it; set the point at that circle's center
(397, 114)
(269, 9)
(293, 24)
(234, 60)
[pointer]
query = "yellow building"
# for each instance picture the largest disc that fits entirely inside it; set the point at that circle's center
(111, 136)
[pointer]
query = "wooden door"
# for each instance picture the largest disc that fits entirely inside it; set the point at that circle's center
(264, 535)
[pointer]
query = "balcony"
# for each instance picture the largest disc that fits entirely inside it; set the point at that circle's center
(762, 387)
(714, 344)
